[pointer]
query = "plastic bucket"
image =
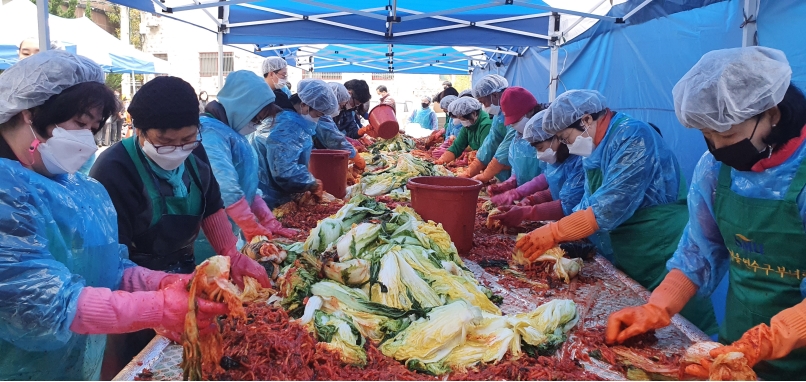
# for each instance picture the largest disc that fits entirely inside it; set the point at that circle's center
(383, 122)
(330, 166)
(450, 201)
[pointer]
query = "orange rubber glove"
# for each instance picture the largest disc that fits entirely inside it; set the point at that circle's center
(666, 300)
(359, 163)
(364, 130)
(490, 171)
(787, 331)
(576, 226)
(447, 157)
(473, 169)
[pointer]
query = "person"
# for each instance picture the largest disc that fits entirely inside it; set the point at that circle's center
(203, 100)
(116, 125)
(475, 127)
(243, 104)
(386, 98)
(466, 93)
(519, 105)
(28, 48)
(492, 154)
(452, 125)
(634, 207)
(447, 90)
(328, 136)
(275, 73)
(424, 116)
(348, 118)
(550, 196)
(747, 212)
(66, 280)
(284, 146)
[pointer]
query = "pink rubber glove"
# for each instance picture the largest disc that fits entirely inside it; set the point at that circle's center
(243, 216)
(513, 216)
(102, 311)
(537, 198)
(219, 233)
(267, 219)
(504, 186)
(139, 279)
(241, 265)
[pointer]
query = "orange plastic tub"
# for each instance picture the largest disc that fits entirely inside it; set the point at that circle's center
(450, 201)
(383, 122)
(330, 166)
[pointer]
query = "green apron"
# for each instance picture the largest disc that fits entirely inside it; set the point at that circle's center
(766, 242)
(646, 241)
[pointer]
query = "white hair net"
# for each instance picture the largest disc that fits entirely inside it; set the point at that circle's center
(32, 81)
(425, 98)
(465, 92)
(729, 86)
(273, 64)
(464, 106)
(534, 133)
(489, 84)
(446, 101)
(317, 94)
(570, 107)
(342, 95)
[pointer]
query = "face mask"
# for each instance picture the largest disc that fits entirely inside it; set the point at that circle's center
(520, 126)
(169, 161)
(548, 156)
(582, 146)
(493, 110)
(310, 119)
(67, 150)
(425, 105)
(282, 82)
(465, 123)
(741, 155)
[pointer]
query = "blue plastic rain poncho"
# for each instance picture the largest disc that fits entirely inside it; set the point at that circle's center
(330, 137)
(454, 126)
(702, 254)
(495, 141)
(284, 149)
(426, 117)
(58, 236)
(523, 158)
(566, 181)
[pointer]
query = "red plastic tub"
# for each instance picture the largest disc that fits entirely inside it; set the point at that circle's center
(330, 166)
(383, 122)
(450, 201)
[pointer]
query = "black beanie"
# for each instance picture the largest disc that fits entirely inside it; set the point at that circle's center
(165, 103)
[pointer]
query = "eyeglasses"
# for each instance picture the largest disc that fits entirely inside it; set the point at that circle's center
(167, 149)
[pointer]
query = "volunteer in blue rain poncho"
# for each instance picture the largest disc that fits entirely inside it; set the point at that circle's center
(553, 194)
(244, 103)
(494, 151)
(519, 105)
(748, 212)
(284, 146)
(328, 135)
(452, 124)
(634, 203)
(425, 116)
(60, 259)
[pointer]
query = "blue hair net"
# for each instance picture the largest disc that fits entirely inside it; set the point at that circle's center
(523, 159)
(534, 133)
(58, 235)
(32, 81)
(729, 86)
(243, 96)
(232, 159)
(317, 94)
(570, 106)
(284, 150)
(566, 182)
(342, 94)
(329, 135)
(701, 254)
(489, 84)
(464, 106)
(445, 102)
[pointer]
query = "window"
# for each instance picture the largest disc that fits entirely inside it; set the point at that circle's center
(322, 76)
(208, 64)
(383, 76)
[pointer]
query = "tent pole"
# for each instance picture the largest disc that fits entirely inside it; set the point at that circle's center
(220, 60)
(554, 43)
(44, 28)
(749, 26)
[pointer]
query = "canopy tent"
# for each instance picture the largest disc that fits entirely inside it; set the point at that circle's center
(80, 35)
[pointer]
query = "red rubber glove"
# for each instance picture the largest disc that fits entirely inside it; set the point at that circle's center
(666, 300)
(242, 214)
(576, 226)
(498, 188)
(513, 216)
(537, 198)
(539, 183)
(241, 265)
(267, 219)
(102, 311)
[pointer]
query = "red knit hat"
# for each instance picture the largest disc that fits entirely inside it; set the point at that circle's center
(515, 103)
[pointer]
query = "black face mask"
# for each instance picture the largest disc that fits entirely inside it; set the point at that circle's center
(741, 155)
(425, 105)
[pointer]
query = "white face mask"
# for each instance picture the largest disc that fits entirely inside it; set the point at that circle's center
(465, 123)
(67, 150)
(520, 126)
(281, 83)
(582, 146)
(548, 156)
(310, 119)
(493, 109)
(169, 161)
